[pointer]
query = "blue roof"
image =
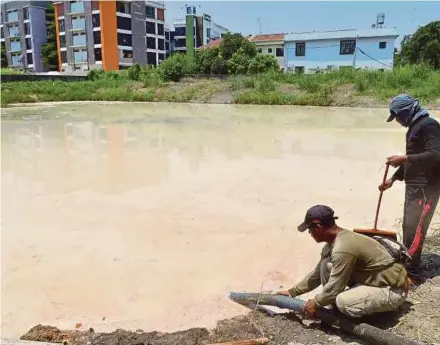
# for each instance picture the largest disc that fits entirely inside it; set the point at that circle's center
(339, 34)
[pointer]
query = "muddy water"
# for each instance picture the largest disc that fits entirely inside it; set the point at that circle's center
(146, 216)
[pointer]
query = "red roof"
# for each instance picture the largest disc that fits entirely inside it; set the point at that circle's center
(268, 37)
(212, 44)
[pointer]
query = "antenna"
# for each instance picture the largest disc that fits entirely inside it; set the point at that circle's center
(190, 9)
(259, 25)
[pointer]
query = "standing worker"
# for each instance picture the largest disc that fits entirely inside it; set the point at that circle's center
(419, 168)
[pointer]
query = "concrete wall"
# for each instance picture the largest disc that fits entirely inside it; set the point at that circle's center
(37, 22)
(323, 53)
(138, 29)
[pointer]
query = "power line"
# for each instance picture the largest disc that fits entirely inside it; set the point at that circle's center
(372, 58)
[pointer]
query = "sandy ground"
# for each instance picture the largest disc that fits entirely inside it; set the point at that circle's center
(147, 216)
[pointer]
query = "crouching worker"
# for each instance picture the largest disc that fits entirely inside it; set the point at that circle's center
(357, 273)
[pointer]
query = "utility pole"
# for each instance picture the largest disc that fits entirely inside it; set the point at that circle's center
(259, 25)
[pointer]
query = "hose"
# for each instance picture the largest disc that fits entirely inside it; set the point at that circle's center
(370, 333)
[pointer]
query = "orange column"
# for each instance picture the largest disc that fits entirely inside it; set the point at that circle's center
(109, 37)
(57, 26)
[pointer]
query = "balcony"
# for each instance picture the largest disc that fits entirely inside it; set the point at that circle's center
(16, 61)
(15, 46)
(79, 41)
(14, 31)
(80, 56)
(78, 24)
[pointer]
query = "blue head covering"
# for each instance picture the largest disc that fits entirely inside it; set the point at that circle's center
(406, 109)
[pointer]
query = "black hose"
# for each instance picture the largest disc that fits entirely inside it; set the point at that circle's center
(365, 331)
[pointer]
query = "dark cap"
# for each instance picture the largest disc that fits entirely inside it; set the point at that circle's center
(317, 215)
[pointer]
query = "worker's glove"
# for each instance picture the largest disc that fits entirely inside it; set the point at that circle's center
(310, 309)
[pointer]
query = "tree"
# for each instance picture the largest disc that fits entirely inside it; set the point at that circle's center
(49, 51)
(176, 67)
(4, 59)
(206, 58)
(231, 43)
(239, 62)
(423, 46)
(263, 63)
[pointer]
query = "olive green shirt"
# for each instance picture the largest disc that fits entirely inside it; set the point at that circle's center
(356, 259)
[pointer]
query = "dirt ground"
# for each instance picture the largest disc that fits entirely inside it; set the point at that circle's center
(418, 319)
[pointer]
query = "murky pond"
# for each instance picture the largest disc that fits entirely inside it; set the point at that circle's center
(148, 215)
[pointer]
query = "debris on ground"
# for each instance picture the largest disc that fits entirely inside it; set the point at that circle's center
(417, 319)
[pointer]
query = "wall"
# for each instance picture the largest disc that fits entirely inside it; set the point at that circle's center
(264, 49)
(138, 27)
(323, 53)
(37, 22)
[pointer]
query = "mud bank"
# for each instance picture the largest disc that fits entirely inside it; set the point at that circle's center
(417, 319)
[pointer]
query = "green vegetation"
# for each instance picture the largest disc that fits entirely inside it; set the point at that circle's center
(422, 47)
(344, 87)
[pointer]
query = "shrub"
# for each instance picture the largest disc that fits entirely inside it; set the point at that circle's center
(262, 63)
(176, 67)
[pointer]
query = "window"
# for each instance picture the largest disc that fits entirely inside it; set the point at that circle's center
(124, 39)
(167, 46)
(151, 28)
(28, 44)
(167, 35)
(79, 39)
(161, 57)
(12, 16)
(2, 33)
(279, 52)
(62, 41)
(78, 23)
(269, 50)
(76, 7)
(260, 50)
(151, 58)
(180, 43)
(27, 29)
(180, 31)
(26, 13)
(151, 43)
(61, 25)
(96, 20)
(382, 45)
(300, 49)
(161, 44)
(15, 46)
(347, 47)
(123, 7)
(98, 54)
(299, 69)
(127, 54)
(97, 37)
(160, 29)
(80, 56)
(150, 12)
(63, 56)
(16, 61)
(124, 23)
(30, 60)
(14, 31)
(161, 14)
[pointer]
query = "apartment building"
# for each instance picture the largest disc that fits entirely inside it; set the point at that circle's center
(23, 32)
(109, 34)
(201, 28)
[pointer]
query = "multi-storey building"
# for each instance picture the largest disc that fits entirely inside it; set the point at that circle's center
(202, 29)
(23, 32)
(109, 34)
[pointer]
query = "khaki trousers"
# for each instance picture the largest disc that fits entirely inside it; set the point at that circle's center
(363, 300)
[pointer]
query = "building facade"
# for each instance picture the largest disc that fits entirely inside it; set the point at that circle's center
(23, 32)
(315, 52)
(109, 34)
(194, 32)
(272, 44)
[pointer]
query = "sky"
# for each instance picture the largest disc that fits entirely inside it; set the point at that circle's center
(285, 16)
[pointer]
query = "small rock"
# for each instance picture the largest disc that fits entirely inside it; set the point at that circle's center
(139, 330)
